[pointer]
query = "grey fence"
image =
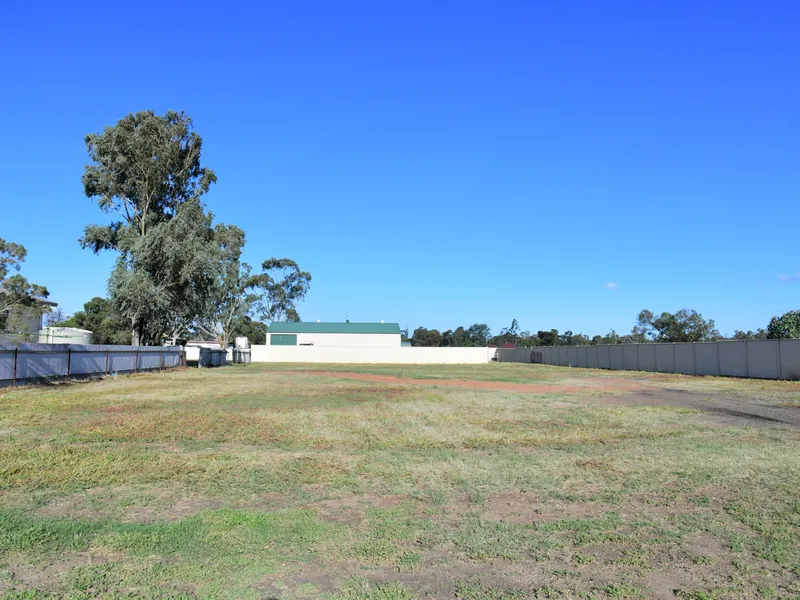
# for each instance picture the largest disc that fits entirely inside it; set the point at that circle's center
(25, 363)
(764, 359)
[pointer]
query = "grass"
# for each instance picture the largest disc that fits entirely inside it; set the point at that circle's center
(250, 482)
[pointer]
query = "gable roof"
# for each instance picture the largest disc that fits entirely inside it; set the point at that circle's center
(385, 328)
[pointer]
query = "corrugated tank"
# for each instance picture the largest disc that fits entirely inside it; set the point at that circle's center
(64, 335)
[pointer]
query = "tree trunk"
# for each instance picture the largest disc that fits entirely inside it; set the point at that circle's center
(136, 333)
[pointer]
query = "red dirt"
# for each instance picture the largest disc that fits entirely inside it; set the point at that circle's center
(470, 384)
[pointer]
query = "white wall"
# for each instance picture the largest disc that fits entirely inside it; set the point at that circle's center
(349, 339)
(372, 355)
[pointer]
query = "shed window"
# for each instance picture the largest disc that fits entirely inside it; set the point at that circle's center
(283, 339)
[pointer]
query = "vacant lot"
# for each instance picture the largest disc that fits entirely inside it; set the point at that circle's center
(398, 482)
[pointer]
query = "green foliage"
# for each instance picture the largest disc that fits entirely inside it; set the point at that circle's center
(787, 326)
(759, 334)
(101, 318)
(146, 169)
(231, 297)
(18, 296)
(254, 331)
(281, 287)
(476, 335)
(683, 326)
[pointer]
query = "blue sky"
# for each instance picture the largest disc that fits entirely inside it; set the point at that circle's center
(438, 163)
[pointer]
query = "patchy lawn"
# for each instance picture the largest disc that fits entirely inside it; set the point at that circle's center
(254, 482)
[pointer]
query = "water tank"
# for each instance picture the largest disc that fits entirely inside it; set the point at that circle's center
(64, 335)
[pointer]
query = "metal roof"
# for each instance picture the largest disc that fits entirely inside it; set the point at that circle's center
(386, 328)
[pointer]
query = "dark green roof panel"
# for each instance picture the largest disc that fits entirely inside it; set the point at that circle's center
(391, 328)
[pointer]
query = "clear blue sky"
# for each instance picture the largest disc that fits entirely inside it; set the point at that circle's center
(438, 163)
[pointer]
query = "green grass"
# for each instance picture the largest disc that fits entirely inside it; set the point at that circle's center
(245, 482)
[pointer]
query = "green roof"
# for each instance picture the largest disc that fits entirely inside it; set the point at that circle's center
(335, 328)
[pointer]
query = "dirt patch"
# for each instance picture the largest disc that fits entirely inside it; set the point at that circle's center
(523, 507)
(350, 510)
(726, 410)
(471, 384)
(46, 577)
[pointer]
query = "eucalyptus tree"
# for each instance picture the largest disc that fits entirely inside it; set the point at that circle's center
(146, 172)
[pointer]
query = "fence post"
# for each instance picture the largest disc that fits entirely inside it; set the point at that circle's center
(136, 366)
(161, 359)
(69, 360)
(106, 361)
(16, 351)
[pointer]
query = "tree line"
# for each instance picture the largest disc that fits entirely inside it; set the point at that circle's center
(684, 325)
(177, 272)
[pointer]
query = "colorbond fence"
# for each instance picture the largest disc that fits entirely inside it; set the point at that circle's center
(764, 359)
(26, 363)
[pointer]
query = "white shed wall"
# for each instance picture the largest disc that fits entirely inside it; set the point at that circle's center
(348, 339)
(372, 355)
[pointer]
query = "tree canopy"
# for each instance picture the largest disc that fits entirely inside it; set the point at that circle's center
(176, 270)
(101, 318)
(17, 294)
(146, 171)
(785, 326)
(281, 286)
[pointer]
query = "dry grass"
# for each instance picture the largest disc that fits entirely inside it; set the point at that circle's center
(242, 482)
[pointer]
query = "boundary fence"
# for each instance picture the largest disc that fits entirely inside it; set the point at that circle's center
(28, 363)
(761, 359)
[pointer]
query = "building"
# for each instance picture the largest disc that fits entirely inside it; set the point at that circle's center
(28, 322)
(334, 334)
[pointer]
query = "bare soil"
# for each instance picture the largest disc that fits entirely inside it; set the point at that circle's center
(632, 393)
(723, 408)
(606, 384)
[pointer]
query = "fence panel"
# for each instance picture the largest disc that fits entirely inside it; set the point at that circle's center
(582, 360)
(87, 362)
(647, 357)
(6, 362)
(790, 359)
(684, 358)
(630, 357)
(44, 361)
(762, 359)
(706, 359)
(572, 356)
(563, 357)
(604, 357)
(591, 357)
(616, 358)
(732, 359)
(665, 358)
(149, 361)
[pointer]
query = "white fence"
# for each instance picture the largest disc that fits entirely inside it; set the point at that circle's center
(25, 363)
(764, 359)
(398, 355)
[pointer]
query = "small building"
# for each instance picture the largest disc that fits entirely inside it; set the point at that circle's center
(334, 334)
(29, 320)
